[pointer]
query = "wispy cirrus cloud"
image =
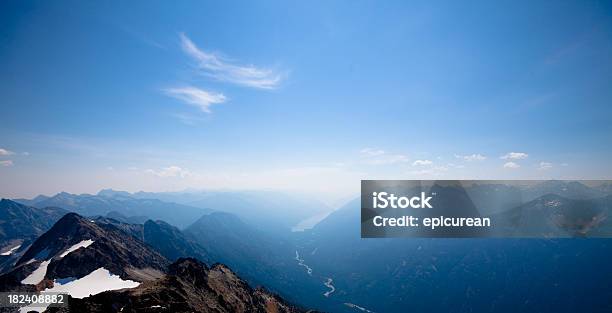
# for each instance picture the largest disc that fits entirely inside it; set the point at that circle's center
(225, 70)
(514, 156)
(6, 163)
(471, 157)
(197, 97)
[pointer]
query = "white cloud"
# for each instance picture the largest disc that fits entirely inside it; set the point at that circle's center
(514, 156)
(422, 163)
(6, 163)
(380, 157)
(545, 165)
(6, 152)
(222, 69)
(471, 157)
(195, 96)
(511, 165)
(170, 171)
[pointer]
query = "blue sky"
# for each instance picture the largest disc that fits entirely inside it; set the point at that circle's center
(308, 96)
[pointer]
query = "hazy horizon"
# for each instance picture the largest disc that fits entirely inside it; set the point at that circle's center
(332, 201)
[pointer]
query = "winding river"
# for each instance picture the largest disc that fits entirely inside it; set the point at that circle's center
(356, 307)
(328, 281)
(301, 263)
(329, 285)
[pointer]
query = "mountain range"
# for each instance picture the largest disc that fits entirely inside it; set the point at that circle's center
(188, 286)
(104, 266)
(102, 204)
(269, 210)
(330, 268)
(556, 216)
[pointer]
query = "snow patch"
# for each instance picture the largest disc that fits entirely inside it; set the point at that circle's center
(11, 250)
(38, 274)
(93, 283)
(82, 244)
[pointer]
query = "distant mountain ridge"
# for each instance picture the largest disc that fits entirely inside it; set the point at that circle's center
(106, 202)
(22, 222)
(496, 197)
(568, 189)
(264, 209)
(271, 210)
(20, 225)
(552, 215)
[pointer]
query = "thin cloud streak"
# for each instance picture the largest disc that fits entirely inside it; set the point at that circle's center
(471, 157)
(223, 70)
(514, 156)
(195, 96)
